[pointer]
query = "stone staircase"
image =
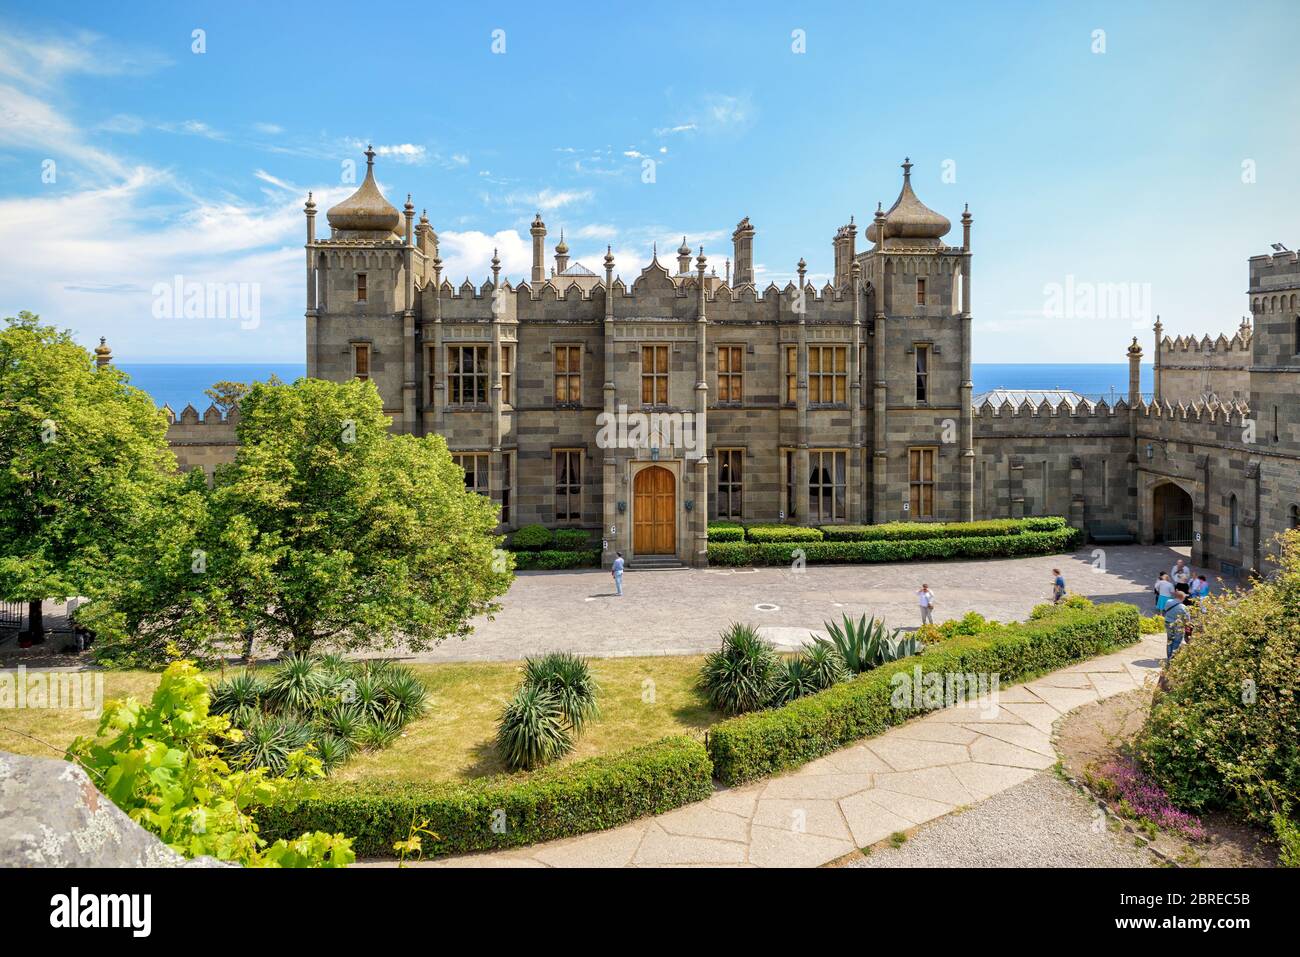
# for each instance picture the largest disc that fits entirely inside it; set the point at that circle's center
(654, 563)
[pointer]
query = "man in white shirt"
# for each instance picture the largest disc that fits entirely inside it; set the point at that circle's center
(1180, 573)
(925, 598)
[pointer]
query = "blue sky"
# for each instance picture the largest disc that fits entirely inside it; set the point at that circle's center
(1158, 165)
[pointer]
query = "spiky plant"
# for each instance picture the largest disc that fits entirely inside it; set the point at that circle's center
(405, 693)
(568, 677)
(367, 694)
(794, 679)
(297, 685)
(335, 664)
(532, 730)
(739, 677)
(825, 665)
(332, 751)
(862, 644)
(378, 732)
(342, 721)
(899, 645)
(239, 691)
(268, 742)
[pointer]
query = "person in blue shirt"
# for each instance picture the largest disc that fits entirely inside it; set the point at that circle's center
(1177, 619)
(1058, 585)
(617, 571)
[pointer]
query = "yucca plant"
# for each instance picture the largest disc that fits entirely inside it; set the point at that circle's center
(332, 751)
(825, 665)
(739, 677)
(268, 742)
(794, 679)
(379, 731)
(533, 730)
(405, 693)
(568, 677)
(366, 693)
(297, 685)
(342, 721)
(240, 691)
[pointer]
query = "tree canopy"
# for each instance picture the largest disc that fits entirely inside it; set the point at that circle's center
(83, 456)
(328, 529)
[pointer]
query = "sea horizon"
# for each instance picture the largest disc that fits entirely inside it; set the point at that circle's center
(178, 384)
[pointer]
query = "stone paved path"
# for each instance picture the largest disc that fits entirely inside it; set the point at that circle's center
(683, 611)
(862, 794)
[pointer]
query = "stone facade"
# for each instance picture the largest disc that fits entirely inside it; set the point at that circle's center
(846, 403)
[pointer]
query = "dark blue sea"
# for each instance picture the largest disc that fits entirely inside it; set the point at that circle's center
(178, 384)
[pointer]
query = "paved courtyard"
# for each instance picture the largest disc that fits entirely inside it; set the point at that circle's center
(948, 760)
(682, 611)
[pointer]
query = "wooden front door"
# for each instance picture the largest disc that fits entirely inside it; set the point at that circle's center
(654, 515)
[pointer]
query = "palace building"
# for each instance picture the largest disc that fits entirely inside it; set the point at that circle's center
(849, 403)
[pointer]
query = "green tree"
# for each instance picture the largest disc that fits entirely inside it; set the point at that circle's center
(82, 458)
(227, 393)
(327, 529)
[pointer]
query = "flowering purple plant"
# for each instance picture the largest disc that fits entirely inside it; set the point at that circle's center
(1147, 800)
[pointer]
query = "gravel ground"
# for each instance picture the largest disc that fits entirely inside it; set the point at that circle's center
(1041, 823)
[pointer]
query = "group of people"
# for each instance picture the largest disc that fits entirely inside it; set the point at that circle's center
(1174, 591)
(925, 597)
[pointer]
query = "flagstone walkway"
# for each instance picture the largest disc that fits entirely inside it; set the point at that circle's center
(861, 794)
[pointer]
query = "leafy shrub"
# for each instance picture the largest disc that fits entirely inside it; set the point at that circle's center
(571, 539)
(740, 676)
(269, 741)
(532, 730)
(971, 623)
(782, 553)
(378, 731)
(590, 795)
(161, 764)
(332, 751)
(1224, 734)
(1048, 608)
(782, 533)
(726, 532)
(553, 559)
(754, 745)
(794, 679)
(915, 531)
(408, 696)
(531, 538)
(568, 678)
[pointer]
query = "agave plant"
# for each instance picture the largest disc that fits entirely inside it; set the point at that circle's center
(568, 678)
(238, 692)
(739, 677)
(298, 685)
(863, 644)
(899, 645)
(532, 730)
(825, 665)
(794, 679)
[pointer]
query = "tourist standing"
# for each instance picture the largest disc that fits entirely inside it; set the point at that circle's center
(1180, 573)
(1164, 589)
(617, 571)
(1177, 621)
(1058, 585)
(1200, 587)
(925, 598)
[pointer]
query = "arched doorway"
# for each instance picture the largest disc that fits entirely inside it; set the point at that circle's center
(654, 512)
(1171, 513)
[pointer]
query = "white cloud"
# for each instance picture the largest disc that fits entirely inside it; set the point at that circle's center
(270, 129)
(544, 199)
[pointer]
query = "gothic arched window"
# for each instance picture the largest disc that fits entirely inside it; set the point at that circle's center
(1234, 522)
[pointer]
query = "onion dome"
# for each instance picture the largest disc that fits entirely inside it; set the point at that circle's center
(103, 354)
(563, 247)
(909, 218)
(366, 210)
(683, 249)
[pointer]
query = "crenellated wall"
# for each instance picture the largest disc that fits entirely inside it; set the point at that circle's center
(201, 441)
(1193, 369)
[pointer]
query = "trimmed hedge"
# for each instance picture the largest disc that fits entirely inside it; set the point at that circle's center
(531, 538)
(554, 558)
(914, 531)
(590, 795)
(766, 742)
(571, 539)
(782, 533)
(726, 532)
(998, 546)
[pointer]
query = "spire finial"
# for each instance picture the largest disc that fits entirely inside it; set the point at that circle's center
(370, 155)
(907, 167)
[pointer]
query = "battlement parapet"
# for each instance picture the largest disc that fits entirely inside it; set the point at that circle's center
(192, 428)
(1240, 343)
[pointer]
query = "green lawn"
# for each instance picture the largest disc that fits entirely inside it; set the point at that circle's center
(641, 699)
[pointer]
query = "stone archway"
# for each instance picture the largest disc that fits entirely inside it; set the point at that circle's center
(1173, 519)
